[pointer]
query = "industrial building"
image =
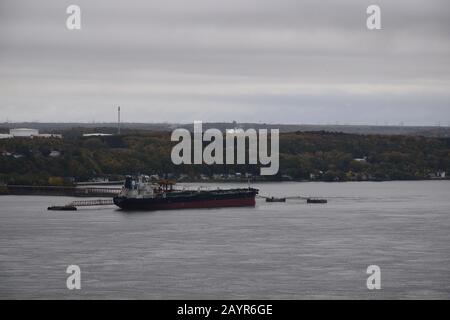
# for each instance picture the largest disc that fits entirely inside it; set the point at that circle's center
(23, 132)
(96, 134)
(28, 133)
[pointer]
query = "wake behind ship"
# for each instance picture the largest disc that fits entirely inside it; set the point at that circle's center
(142, 194)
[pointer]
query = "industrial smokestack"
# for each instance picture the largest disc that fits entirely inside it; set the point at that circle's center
(118, 120)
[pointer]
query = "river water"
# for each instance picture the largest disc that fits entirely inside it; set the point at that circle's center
(277, 250)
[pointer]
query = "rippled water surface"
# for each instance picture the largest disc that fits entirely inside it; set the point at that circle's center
(276, 250)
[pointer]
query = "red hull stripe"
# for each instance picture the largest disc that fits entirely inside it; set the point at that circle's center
(242, 202)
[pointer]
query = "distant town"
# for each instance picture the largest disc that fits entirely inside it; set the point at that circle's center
(66, 154)
(112, 127)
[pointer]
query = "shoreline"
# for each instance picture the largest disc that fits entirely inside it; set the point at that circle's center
(68, 191)
(27, 190)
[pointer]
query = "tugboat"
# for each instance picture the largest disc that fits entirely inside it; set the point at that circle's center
(140, 193)
(274, 199)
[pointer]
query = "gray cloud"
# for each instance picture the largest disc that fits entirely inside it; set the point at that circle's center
(249, 60)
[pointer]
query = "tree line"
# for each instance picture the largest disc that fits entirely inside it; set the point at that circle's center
(320, 156)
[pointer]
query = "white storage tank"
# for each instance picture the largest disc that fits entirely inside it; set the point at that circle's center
(23, 132)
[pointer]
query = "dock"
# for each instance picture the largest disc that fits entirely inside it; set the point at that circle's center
(100, 183)
(283, 199)
(91, 203)
(73, 206)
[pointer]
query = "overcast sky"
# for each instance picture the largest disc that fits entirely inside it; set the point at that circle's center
(285, 61)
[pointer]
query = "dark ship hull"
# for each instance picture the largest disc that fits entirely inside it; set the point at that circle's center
(191, 199)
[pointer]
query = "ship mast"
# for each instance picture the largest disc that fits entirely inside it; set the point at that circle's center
(118, 120)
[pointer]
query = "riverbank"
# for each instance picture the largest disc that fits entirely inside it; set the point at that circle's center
(58, 191)
(96, 190)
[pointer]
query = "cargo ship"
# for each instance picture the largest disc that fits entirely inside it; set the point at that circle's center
(140, 193)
